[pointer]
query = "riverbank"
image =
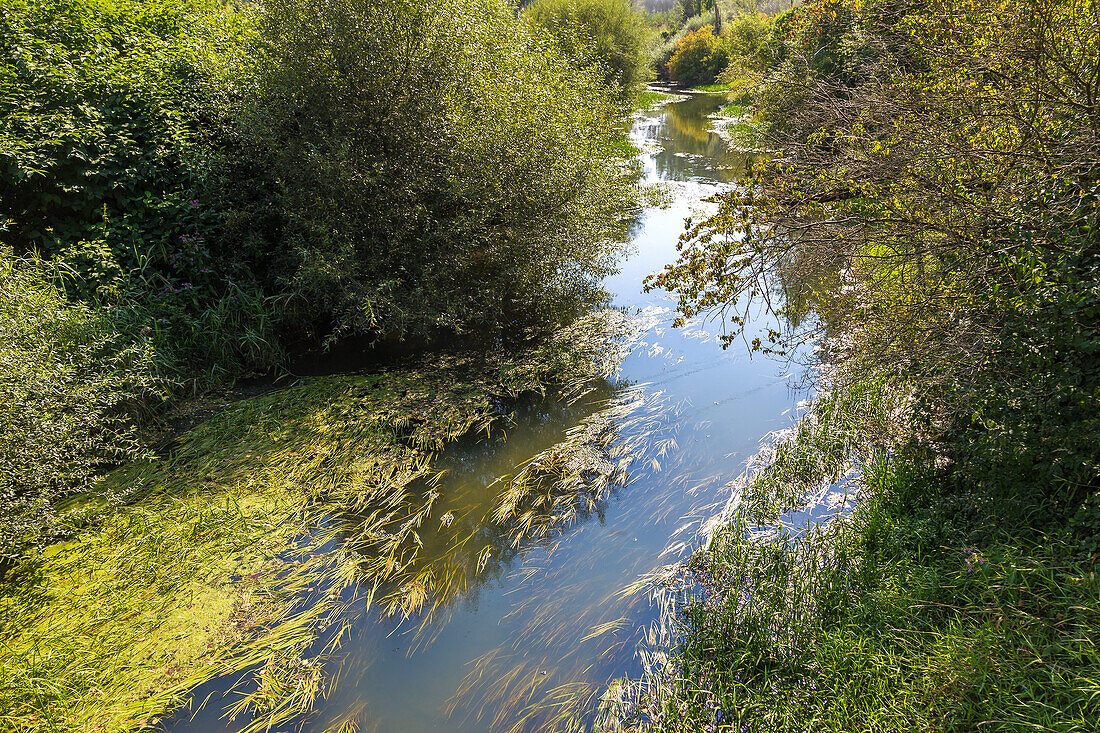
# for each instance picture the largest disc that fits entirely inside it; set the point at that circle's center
(929, 226)
(218, 559)
(862, 585)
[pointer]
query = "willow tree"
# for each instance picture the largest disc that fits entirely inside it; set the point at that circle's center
(609, 35)
(403, 171)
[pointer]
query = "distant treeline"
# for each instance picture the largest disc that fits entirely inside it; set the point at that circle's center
(702, 43)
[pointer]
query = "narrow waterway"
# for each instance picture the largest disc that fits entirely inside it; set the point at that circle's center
(533, 632)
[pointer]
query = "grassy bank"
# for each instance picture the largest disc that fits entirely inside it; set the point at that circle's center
(651, 98)
(712, 88)
(933, 604)
(914, 598)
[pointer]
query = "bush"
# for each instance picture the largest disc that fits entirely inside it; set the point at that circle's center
(68, 382)
(699, 57)
(95, 118)
(610, 33)
(411, 173)
(102, 110)
(662, 52)
(234, 179)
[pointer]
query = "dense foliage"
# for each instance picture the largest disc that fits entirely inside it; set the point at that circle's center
(702, 54)
(938, 220)
(97, 110)
(400, 171)
(219, 183)
(699, 57)
(672, 32)
(933, 223)
(69, 384)
(100, 108)
(608, 33)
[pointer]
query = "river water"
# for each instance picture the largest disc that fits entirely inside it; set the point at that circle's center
(531, 640)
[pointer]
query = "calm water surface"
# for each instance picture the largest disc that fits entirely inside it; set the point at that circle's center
(530, 641)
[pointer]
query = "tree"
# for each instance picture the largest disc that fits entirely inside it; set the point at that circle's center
(938, 190)
(403, 172)
(699, 57)
(610, 34)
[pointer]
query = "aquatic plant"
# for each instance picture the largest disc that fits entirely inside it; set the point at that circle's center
(237, 552)
(525, 686)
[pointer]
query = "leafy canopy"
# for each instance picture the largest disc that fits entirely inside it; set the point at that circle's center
(412, 172)
(611, 34)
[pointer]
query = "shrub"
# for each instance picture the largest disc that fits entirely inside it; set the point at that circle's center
(662, 52)
(67, 384)
(94, 121)
(750, 40)
(410, 173)
(699, 57)
(102, 109)
(610, 33)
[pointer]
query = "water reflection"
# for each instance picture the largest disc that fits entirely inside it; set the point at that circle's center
(526, 613)
(494, 497)
(690, 149)
(542, 609)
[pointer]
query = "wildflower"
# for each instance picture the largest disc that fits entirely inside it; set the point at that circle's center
(974, 559)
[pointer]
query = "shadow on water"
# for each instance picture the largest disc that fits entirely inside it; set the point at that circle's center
(510, 608)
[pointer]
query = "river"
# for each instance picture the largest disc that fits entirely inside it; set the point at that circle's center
(531, 640)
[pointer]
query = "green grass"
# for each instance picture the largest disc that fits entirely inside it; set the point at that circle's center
(711, 88)
(733, 110)
(650, 98)
(741, 129)
(931, 606)
(742, 132)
